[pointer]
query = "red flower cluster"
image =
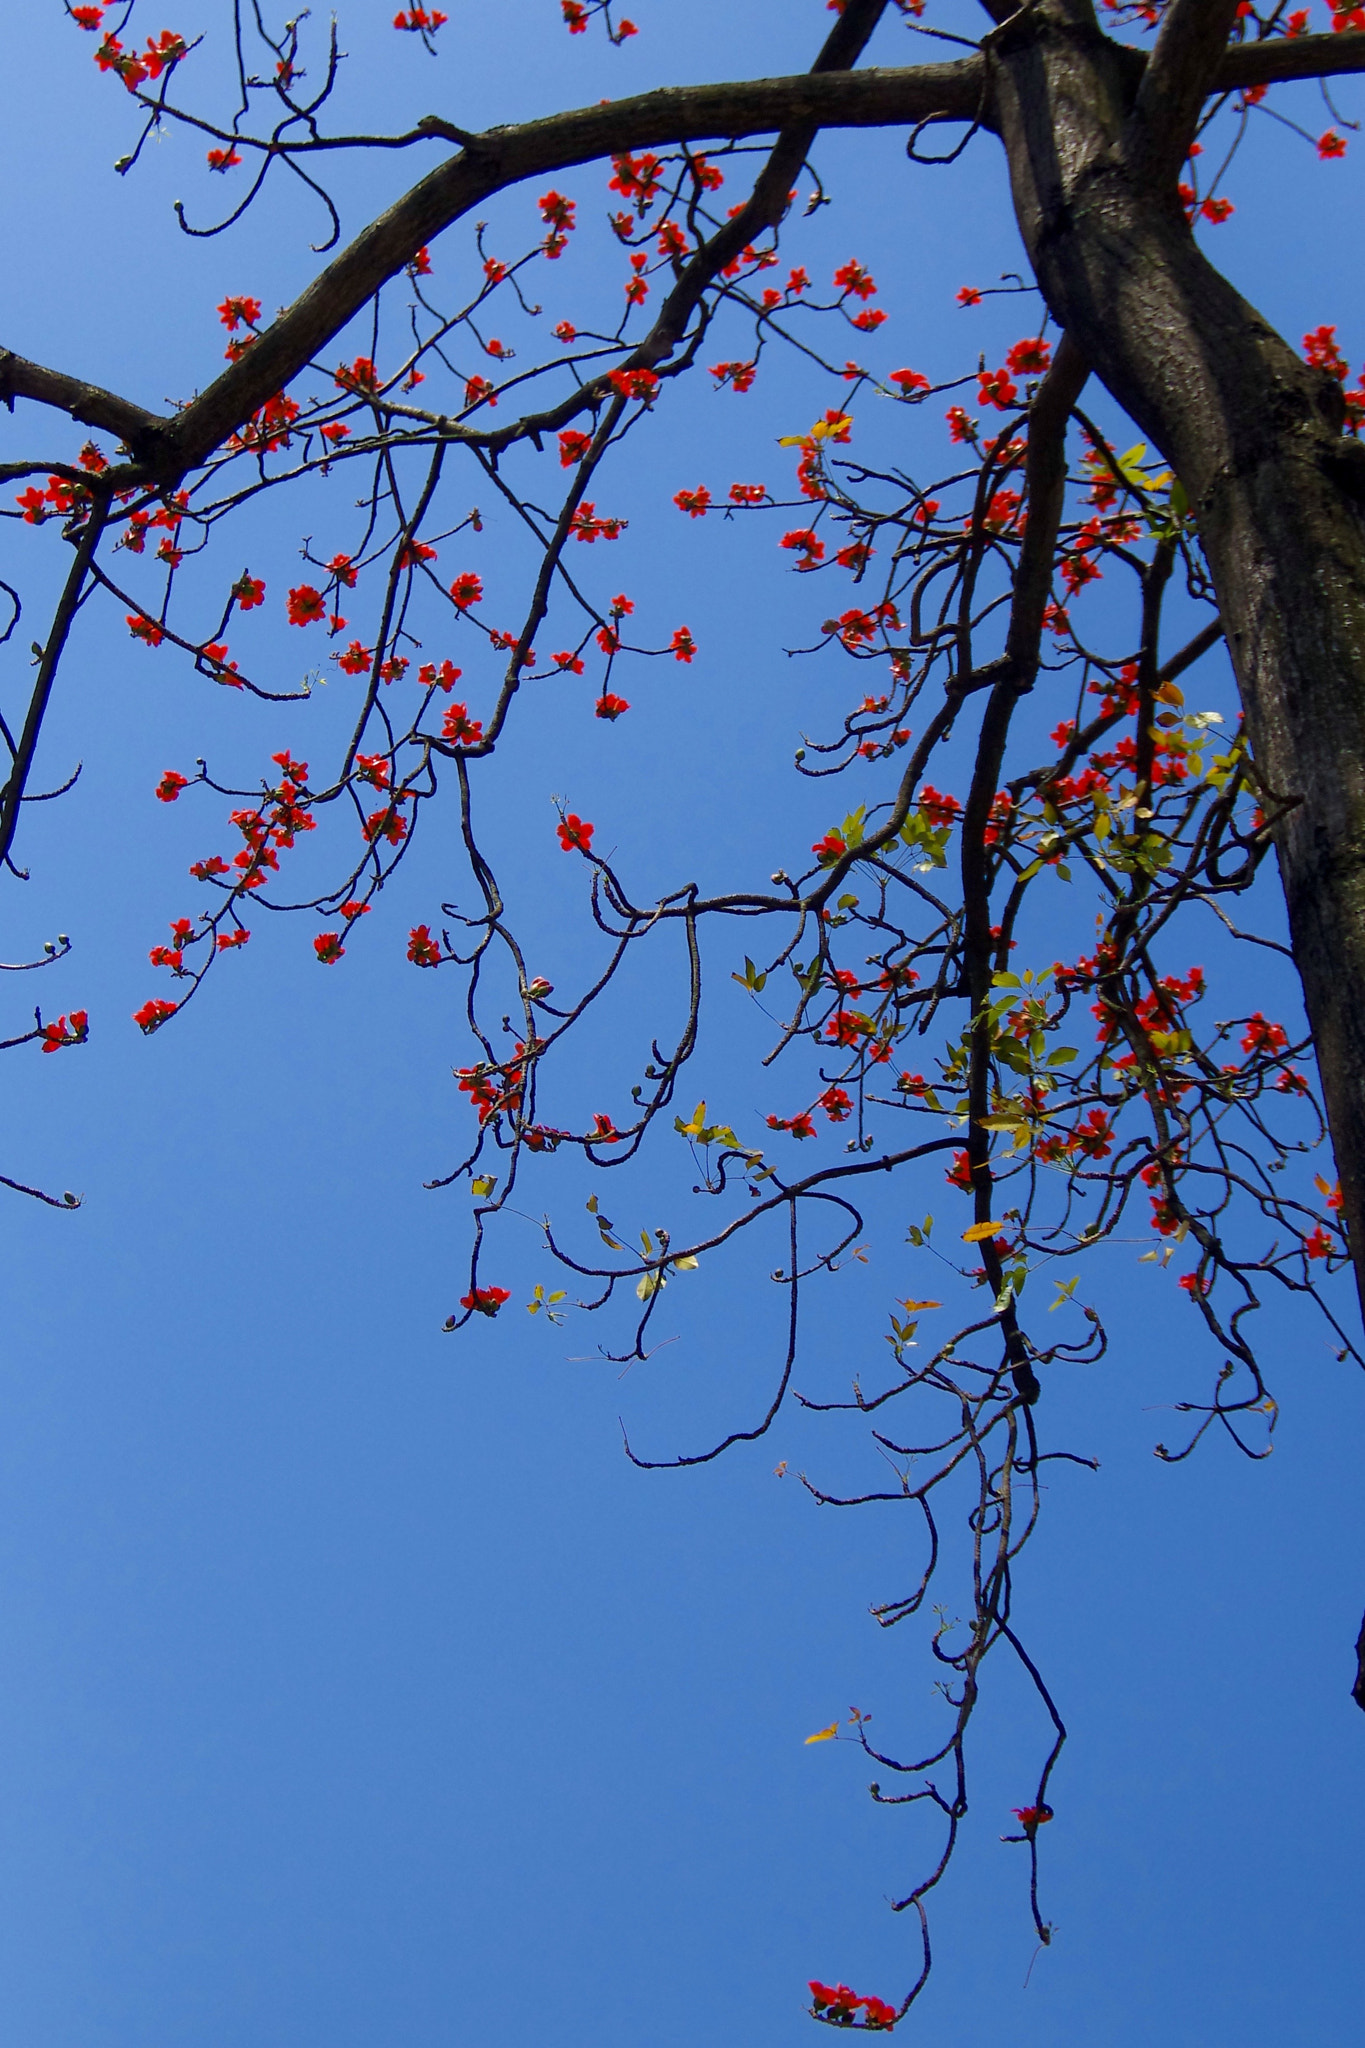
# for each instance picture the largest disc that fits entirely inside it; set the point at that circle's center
(420, 18)
(837, 2002)
(423, 950)
(586, 525)
(800, 1126)
(55, 1036)
(153, 1015)
(1263, 1036)
(135, 67)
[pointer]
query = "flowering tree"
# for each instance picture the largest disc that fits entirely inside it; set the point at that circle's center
(908, 960)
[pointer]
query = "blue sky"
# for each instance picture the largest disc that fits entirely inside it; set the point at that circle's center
(355, 1688)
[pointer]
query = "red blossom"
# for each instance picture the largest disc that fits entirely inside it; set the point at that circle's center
(328, 947)
(485, 1301)
(466, 590)
(694, 503)
(239, 311)
(682, 644)
(306, 605)
(423, 950)
(170, 786)
(153, 1014)
(458, 727)
(610, 707)
(575, 832)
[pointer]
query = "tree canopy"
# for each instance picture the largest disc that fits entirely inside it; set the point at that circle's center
(1082, 617)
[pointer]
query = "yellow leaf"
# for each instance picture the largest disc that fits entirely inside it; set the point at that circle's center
(979, 1231)
(823, 1734)
(686, 1264)
(912, 1306)
(484, 1185)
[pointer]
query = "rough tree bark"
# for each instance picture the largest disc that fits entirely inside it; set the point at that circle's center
(1255, 438)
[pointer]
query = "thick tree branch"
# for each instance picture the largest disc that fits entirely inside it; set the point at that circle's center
(502, 157)
(138, 429)
(1185, 56)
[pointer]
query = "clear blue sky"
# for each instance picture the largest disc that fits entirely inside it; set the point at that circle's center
(353, 1688)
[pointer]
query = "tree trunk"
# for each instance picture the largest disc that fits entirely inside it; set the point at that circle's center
(1254, 435)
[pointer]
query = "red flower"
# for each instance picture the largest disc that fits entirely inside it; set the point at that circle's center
(969, 296)
(851, 277)
(236, 311)
(306, 606)
(586, 525)
(328, 947)
(386, 825)
(214, 865)
(682, 644)
(1318, 1244)
(694, 503)
(575, 832)
(638, 383)
(1217, 210)
(224, 159)
(909, 380)
(566, 331)
(424, 19)
(466, 590)
(443, 678)
(830, 849)
(423, 950)
(1029, 358)
(153, 1015)
(573, 446)
(55, 1036)
(248, 591)
(800, 1126)
(170, 786)
(996, 389)
(1031, 1818)
(610, 707)
(747, 494)
(143, 628)
(485, 1300)
(836, 1104)
(458, 726)
(1262, 1036)
(809, 543)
